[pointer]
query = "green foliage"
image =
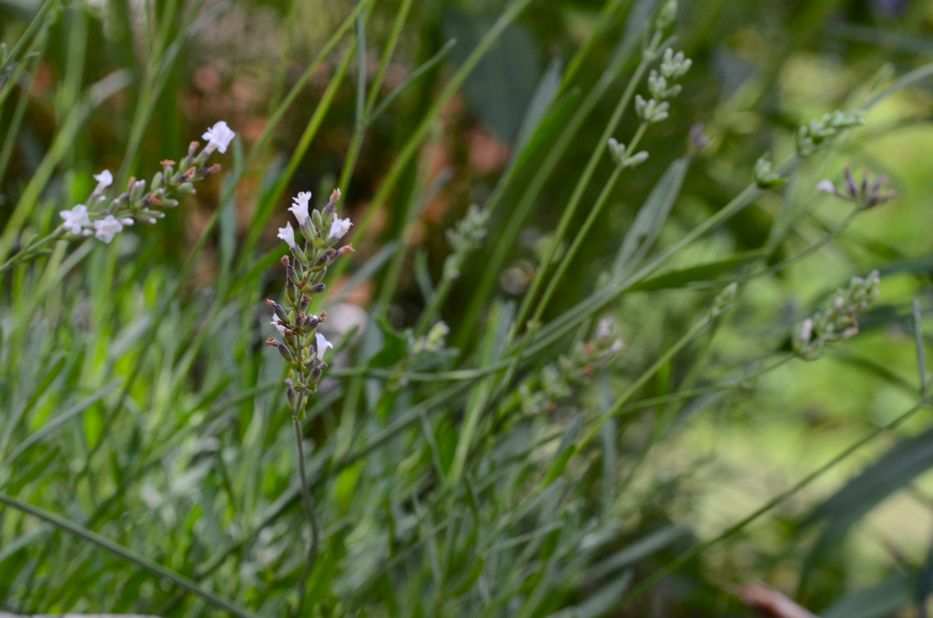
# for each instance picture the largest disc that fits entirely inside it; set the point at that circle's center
(564, 379)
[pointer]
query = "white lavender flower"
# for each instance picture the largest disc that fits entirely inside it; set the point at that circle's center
(766, 177)
(108, 227)
(322, 345)
(104, 179)
(339, 228)
(76, 219)
(651, 110)
(287, 234)
(826, 186)
(277, 323)
(218, 137)
(300, 207)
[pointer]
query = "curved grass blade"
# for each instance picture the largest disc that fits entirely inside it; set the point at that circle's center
(122, 552)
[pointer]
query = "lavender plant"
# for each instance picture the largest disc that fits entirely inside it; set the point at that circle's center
(302, 346)
(436, 503)
(105, 214)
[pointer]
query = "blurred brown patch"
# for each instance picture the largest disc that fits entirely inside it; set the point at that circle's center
(771, 603)
(487, 152)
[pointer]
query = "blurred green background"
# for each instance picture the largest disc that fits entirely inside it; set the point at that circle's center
(760, 69)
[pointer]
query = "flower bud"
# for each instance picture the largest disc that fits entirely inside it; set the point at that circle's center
(636, 159)
(290, 392)
(136, 190)
(278, 309)
(667, 14)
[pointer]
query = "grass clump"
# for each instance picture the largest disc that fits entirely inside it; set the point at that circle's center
(574, 318)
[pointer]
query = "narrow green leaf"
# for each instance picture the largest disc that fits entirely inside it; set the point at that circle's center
(877, 602)
(651, 217)
(710, 272)
(125, 553)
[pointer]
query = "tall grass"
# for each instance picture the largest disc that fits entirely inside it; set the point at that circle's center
(518, 432)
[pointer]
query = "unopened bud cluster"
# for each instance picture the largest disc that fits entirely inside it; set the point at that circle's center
(302, 346)
(724, 300)
(557, 381)
(661, 87)
(765, 175)
(840, 320)
(865, 194)
(105, 215)
(812, 135)
(434, 341)
(464, 237)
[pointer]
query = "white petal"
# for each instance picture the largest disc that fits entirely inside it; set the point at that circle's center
(287, 234)
(104, 179)
(105, 229)
(75, 219)
(826, 186)
(339, 227)
(300, 207)
(218, 136)
(322, 345)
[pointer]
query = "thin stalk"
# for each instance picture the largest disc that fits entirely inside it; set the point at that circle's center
(543, 172)
(434, 304)
(15, 62)
(572, 206)
(31, 250)
(309, 513)
(616, 408)
(581, 186)
(594, 213)
(19, 111)
(411, 147)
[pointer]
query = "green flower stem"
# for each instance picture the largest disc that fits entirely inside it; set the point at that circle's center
(309, 513)
(31, 250)
(646, 375)
(579, 189)
(591, 218)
